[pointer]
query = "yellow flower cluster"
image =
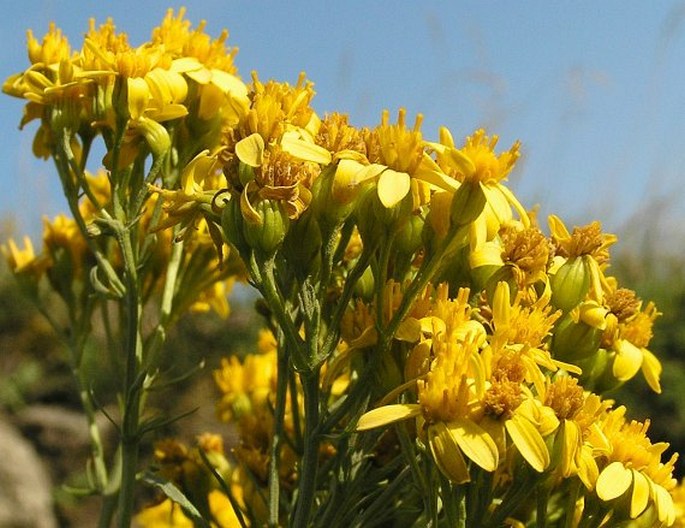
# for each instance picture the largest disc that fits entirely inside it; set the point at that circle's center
(485, 388)
(403, 281)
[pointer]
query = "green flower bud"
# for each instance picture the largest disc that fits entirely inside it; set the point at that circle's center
(370, 229)
(266, 224)
(245, 173)
(330, 211)
(365, 286)
(467, 204)
(570, 284)
(232, 226)
(574, 341)
(302, 245)
(409, 237)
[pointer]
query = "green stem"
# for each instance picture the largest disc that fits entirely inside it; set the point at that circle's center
(423, 277)
(310, 456)
(542, 498)
(274, 300)
(132, 385)
(571, 503)
(279, 414)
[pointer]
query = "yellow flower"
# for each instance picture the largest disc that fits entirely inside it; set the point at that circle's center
(448, 408)
(61, 234)
(209, 63)
(247, 385)
(24, 262)
(525, 329)
(524, 252)
(581, 257)
(633, 469)
(578, 438)
(168, 514)
(271, 154)
(396, 160)
(509, 411)
(215, 297)
(476, 161)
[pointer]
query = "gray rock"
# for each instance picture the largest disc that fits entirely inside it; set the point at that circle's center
(25, 486)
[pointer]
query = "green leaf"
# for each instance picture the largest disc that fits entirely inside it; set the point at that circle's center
(175, 494)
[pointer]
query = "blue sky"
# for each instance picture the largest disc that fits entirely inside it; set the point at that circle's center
(594, 90)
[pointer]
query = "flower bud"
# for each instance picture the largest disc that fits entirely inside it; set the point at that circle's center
(570, 284)
(467, 204)
(265, 224)
(330, 208)
(365, 286)
(232, 226)
(370, 229)
(302, 245)
(574, 341)
(409, 237)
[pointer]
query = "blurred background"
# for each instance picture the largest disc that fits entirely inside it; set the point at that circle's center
(595, 92)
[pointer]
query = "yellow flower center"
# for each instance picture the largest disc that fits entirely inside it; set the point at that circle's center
(565, 397)
(587, 240)
(396, 146)
(53, 49)
(489, 167)
(638, 330)
(502, 398)
(527, 249)
(336, 134)
(445, 393)
(274, 105)
(623, 303)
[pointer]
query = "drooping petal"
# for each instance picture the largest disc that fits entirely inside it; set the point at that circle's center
(651, 370)
(349, 174)
(571, 443)
(387, 414)
(613, 481)
(392, 187)
(587, 468)
(528, 441)
(304, 150)
(138, 96)
(447, 454)
(628, 360)
(663, 501)
(428, 171)
(250, 150)
(640, 495)
(475, 442)
(501, 307)
(409, 330)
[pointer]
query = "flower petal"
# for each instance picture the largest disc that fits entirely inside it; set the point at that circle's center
(651, 370)
(304, 150)
(447, 454)
(392, 187)
(613, 481)
(250, 150)
(387, 414)
(663, 501)
(475, 443)
(627, 361)
(409, 330)
(640, 495)
(528, 441)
